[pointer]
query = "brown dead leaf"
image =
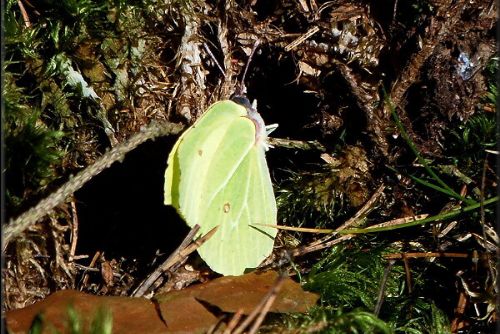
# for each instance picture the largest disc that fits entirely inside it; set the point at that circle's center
(182, 311)
(130, 315)
(232, 293)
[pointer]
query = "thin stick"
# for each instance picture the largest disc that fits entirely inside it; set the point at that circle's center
(117, 153)
(74, 231)
(233, 322)
(383, 285)
(144, 286)
(408, 274)
(185, 248)
(315, 247)
(354, 221)
(296, 144)
(426, 255)
(91, 265)
(365, 210)
(214, 59)
(301, 38)
(254, 48)
(24, 13)
(267, 305)
(433, 219)
(260, 307)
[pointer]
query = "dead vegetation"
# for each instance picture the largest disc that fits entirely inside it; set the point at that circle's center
(398, 97)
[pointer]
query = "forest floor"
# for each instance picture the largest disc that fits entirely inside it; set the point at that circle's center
(387, 119)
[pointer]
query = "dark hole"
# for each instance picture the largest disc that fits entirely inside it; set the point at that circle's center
(121, 211)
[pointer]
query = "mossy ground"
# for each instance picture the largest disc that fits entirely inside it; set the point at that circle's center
(83, 76)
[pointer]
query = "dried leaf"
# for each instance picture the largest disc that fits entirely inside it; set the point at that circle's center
(185, 311)
(130, 315)
(232, 293)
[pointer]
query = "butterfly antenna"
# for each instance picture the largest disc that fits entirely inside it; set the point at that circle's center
(215, 60)
(242, 82)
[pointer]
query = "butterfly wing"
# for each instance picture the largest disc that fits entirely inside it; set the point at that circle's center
(218, 176)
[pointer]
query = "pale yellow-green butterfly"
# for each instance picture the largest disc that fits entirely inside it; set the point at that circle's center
(217, 175)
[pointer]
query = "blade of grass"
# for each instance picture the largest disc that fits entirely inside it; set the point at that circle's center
(419, 157)
(436, 218)
(431, 185)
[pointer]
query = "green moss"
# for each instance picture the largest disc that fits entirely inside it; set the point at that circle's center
(32, 149)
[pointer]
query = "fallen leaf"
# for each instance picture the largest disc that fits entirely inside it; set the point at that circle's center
(130, 315)
(232, 293)
(184, 311)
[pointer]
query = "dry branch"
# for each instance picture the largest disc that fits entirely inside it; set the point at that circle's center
(45, 206)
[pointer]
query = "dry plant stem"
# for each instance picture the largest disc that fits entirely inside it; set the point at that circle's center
(308, 249)
(252, 52)
(353, 221)
(144, 286)
(400, 221)
(365, 210)
(74, 231)
(180, 254)
(427, 255)
(459, 312)
(24, 13)
(91, 265)
(233, 322)
(205, 46)
(267, 305)
(408, 274)
(264, 305)
(383, 285)
(296, 144)
(482, 213)
(301, 39)
(33, 215)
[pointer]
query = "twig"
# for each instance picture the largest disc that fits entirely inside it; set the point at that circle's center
(93, 270)
(316, 247)
(214, 59)
(459, 312)
(185, 248)
(91, 265)
(353, 221)
(242, 81)
(383, 285)
(302, 38)
(426, 255)
(408, 274)
(438, 217)
(144, 286)
(33, 215)
(400, 221)
(365, 210)
(74, 231)
(262, 308)
(233, 322)
(482, 212)
(267, 305)
(24, 13)
(296, 144)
